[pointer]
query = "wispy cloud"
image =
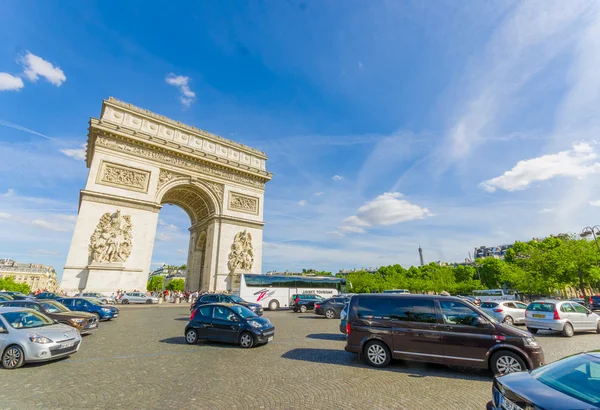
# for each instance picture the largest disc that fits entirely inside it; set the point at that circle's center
(318, 193)
(75, 153)
(24, 129)
(183, 85)
(5, 215)
(302, 202)
(595, 203)
(36, 67)
(163, 237)
(9, 82)
(167, 226)
(337, 177)
(49, 225)
(545, 211)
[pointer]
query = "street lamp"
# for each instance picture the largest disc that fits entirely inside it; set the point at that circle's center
(591, 230)
(523, 257)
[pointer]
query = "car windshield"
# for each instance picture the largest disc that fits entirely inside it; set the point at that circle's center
(576, 376)
(243, 311)
(94, 302)
(54, 307)
(26, 320)
(237, 299)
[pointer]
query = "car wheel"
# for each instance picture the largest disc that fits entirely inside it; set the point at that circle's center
(330, 314)
(504, 362)
(13, 357)
(273, 305)
(125, 302)
(296, 310)
(97, 316)
(568, 330)
(532, 331)
(149, 301)
(191, 337)
(377, 354)
(246, 340)
(303, 309)
(598, 327)
(508, 320)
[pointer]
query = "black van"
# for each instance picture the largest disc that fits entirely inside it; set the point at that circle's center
(436, 329)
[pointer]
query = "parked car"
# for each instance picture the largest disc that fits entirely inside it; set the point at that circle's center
(595, 302)
(224, 298)
(581, 301)
(102, 298)
(82, 321)
(472, 299)
(17, 295)
(228, 323)
(436, 329)
(5, 297)
(509, 312)
(48, 295)
(138, 297)
(90, 305)
(572, 383)
(560, 316)
(30, 336)
(304, 302)
(343, 316)
(331, 308)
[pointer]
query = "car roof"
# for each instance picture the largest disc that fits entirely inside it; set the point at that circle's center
(13, 309)
(594, 353)
(12, 302)
(407, 296)
(220, 304)
(555, 301)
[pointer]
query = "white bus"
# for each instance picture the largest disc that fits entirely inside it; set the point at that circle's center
(492, 294)
(275, 291)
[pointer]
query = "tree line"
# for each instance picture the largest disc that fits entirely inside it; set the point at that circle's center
(539, 267)
(8, 284)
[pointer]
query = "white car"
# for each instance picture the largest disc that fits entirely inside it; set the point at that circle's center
(138, 297)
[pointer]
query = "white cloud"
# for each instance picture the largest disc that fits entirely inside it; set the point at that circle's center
(5, 215)
(337, 177)
(9, 193)
(167, 226)
(75, 153)
(49, 225)
(302, 202)
(9, 82)
(595, 203)
(577, 162)
(183, 85)
(386, 209)
(545, 211)
(36, 66)
(163, 237)
(318, 193)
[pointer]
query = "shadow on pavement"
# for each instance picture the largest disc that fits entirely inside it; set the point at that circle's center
(412, 369)
(179, 340)
(183, 319)
(311, 317)
(327, 336)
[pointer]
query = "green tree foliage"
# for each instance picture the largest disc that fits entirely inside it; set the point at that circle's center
(176, 285)
(8, 284)
(155, 284)
(316, 272)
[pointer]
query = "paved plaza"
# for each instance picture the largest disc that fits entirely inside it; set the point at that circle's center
(141, 361)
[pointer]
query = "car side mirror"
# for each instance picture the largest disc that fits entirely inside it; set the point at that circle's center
(481, 322)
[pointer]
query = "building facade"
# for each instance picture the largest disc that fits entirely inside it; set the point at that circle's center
(38, 277)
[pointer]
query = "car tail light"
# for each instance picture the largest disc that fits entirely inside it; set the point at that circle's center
(297, 300)
(348, 328)
(317, 305)
(193, 314)
(556, 315)
(497, 310)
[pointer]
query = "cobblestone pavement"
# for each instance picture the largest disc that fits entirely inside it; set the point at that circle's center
(141, 361)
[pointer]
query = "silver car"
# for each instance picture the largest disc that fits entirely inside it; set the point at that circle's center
(30, 336)
(560, 316)
(99, 296)
(507, 311)
(138, 297)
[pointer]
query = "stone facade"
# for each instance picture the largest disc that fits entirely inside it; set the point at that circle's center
(38, 277)
(139, 161)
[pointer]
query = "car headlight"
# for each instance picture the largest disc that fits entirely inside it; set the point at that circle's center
(255, 324)
(530, 342)
(39, 339)
(106, 310)
(75, 320)
(253, 308)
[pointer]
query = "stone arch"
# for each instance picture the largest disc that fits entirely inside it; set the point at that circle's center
(195, 198)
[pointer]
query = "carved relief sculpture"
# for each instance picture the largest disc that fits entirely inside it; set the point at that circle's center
(112, 240)
(122, 176)
(165, 176)
(243, 203)
(241, 256)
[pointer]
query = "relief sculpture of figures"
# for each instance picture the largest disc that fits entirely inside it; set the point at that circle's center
(241, 255)
(112, 239)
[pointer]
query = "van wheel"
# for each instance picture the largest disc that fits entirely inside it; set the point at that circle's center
(246, 340)
(13, 357)
(273, 305)
(377, 354)
(568, 330)
(303, 308)
(508, 320)
(532, 331)
(504, 362)
(330, 314)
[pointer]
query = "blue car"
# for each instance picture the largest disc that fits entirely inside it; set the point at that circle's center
(91, 305)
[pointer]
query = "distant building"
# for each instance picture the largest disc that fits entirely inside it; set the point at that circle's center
(38, 277)
(344, 272)
(497, 252)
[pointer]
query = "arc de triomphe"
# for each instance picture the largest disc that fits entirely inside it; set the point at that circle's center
(138, 162)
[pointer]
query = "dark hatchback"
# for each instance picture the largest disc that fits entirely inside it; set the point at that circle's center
(17, 295)
(229, 323)
(331, 308)
(436, 329)
(304, 302)
(82, 321)
(48, 295)
(102, 312)
(572, 383)
(225, 298)
(595, 302)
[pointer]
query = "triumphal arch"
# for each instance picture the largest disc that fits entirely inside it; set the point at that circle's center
(138, 161)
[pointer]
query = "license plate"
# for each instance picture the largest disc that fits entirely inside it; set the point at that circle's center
(93, 325)
(538, 315)
(66, 345)
(115, 315)
(508, 405)
(270, 339)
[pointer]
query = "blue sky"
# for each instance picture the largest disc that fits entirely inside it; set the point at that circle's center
(387, 124)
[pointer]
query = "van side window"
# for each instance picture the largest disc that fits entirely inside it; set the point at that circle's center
(374, 308)
(413, 310)
(458, 314)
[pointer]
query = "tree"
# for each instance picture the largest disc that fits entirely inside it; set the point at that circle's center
(155, 284)
(176, 285)
(10, 285)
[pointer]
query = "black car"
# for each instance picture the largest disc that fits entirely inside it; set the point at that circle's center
(304, 302)
(331, 308)
(572, 383)
(595, 302)
(225, 298)
(17, 295)
(230, 323)
(48, 295)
